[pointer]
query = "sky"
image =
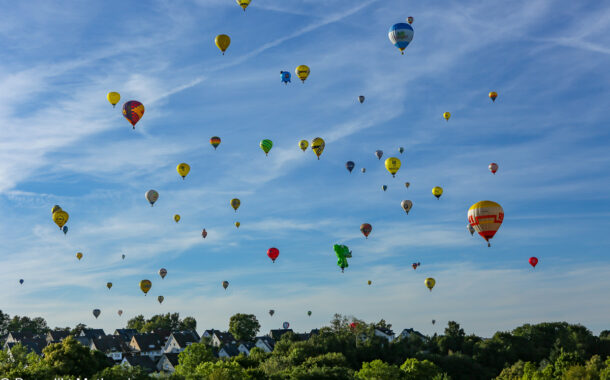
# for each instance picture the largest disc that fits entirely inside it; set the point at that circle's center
(61, 142)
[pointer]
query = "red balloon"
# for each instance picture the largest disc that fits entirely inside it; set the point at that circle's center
(273, 253)
(366, 229)
(133, 112)
(493, 167)
(353, 325)
(414, 265)
(533, 261)
(204, 233)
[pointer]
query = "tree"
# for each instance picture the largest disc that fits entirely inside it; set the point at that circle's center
(244, 326)
(188, 323)
(220, 370)
(122, 372)
(72, 358)
(24, 324)
(453, 340)
(383, 325)
(169, 321)
(378, 370)
(136, 323)
(192, 356)
(77, 329)
(414, 369)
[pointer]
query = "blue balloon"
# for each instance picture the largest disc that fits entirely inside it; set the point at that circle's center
(285, 76)
(350, 165)
(285, 325)
(384, 187)
(65, 229)
(401, 35)
(21, 281)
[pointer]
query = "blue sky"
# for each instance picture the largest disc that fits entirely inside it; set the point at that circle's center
(62, 143)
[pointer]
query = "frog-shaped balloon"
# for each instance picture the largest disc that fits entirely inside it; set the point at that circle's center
(343, 253)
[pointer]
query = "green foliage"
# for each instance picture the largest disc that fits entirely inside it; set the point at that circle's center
(22, 324)
(193, 356)
(415, 369)
(220, 370)
(70, 357)
(244, 326)
(169, 321)
(122, 372)
(378, 370)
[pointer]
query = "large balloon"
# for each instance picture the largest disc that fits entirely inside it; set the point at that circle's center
(162, 273)
(303, 144)
(133, 112)
(183, 169)
(350, 165)
(392, 165)
(285, 325)
(401, 150)
(437, 191)
(120, 312)
(406, 205)
(302, 72)
(145, 286)
(152, 196)
(271, 312)
(176, 218)
(447, 115)
(60, 218)
(79, 255)
(410, 20)
(493, 167)
(273, 253)
(471, 229)
(493, 95)
(343, 253)
(366, 229)
(215, 141)
(225, 284)
(160, 299)
(533, 261)
(96, 313)
(113, 98)
(109, 285)
(486, 217)
(235, 203)
(317, 145)
(384, 187)
(243, 3)
(401, 35)
(430, 282)
(204, 233)
(285, 76)
(266, 145)
(361, 99)
(379, 154)
(222, 42)
(65, 229)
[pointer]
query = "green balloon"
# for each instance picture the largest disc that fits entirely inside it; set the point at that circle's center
(266, 145)
(342, 253)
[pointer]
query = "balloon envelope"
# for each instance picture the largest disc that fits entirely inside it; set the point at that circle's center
(204, 233)
(266, 145)
(317, 145)
(133, 112)
(366, 229)
(243, 3)
(60, 218)
(79, 255)
(183, 169)
(215, 141)
(493, 95)
(235, 203)
(350, 165)
(273, 253)
(430, 282)
(392, 165)
(96, 313)
(361, 99)
(225, 284)
(447, 115)
(271, 312)
(401, 35)
(145, 286)
(406, 205)
(285, 325)
(379, 154)
(222, 42)
(302, 72)
(160, 299)
(151, 196)
(120, 312)
(303, 144)
(437, 191)
(533, 261)
(486, 217)
(285, 76)
(162, 272)
(493, 167)
(113, 98)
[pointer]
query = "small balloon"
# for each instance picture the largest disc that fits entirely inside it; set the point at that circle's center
(361, 99)
(145, 286)
(162, 273)
(379, 154)
(113, 98)
(151, 196)
(533, 261)
(366, 229)
(350, 165)
(79, 255)
(215, 141)
(204, 233)
(120, 312)
(225, 284)
(285, 325)
(109, 285)
(176, 218)
(96, 313)
(160, 299)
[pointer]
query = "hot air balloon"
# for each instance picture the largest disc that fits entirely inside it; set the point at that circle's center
(303, 144)
(215, 141)
(120, 312)
(96, 313)
(109, 285)
(361, 99)
(222, 42)
(79, 255)
(309, 313)
(392, 165)
(493, 167)
(266, 145)
(273, 253)
(471, 229)
(533, 261)
(285, 325)
(433, 321)
(162, 273)
(343, 253)
(366, 229)
(363, 170)
(407, 184)
(123, 256)
(183, 169)
(55, 208)
(317, 145)
(60, 218)
(350, 165)
(437, 191)
(486, 217)
(160, 299)
(133, 112)
(430, 282)
(21, 281)
(243, 3)
(151, 197)
(401, 35)
(285, 77)
(204, 233)
(414, 266)
(113, 98)
(235, 203)
(145, 286)
(384, 187)
(271, 312)
(237, 224)
(447, 115)
(406, 205)
(176, 218)
(302, 72)
(353, 325)
(369, 282)
(493, 95)
(401, 150)
(379, 154)
(65, 229)
(410, 20)
(225, 284)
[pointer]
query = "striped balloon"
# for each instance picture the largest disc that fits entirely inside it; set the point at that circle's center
(215, 141)
(266, 145)
(486, 217)
(401, 35)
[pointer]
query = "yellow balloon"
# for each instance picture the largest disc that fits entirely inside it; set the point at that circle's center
(317, 145)
(145, 286)
(79, 255)
(486, 217)
(430, 282)
(243, 3)
(303, 144)
(113, 98)
(493, 95)
(302, 72)
(109, 285)
(447, 115)
(237, 224)
(392, 164)
(235, 204)
(370, 282)
(183, 169)
(437, 191)
(176, 218)
(222, 42)
(60, 218)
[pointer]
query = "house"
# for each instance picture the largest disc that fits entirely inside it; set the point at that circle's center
(245, 347)
(384, 333)
(14, 337)
(125, 334)
(408, 333)
(277, 334)
(167, 363)
(265, 343)
(112, 345)
(149, 344)
(179, 340)
(87, 335)
(57, 336)
(83, 340)
(228, 350)
(163, 334)
(35, 345)
(219, 338)
(142, 361)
